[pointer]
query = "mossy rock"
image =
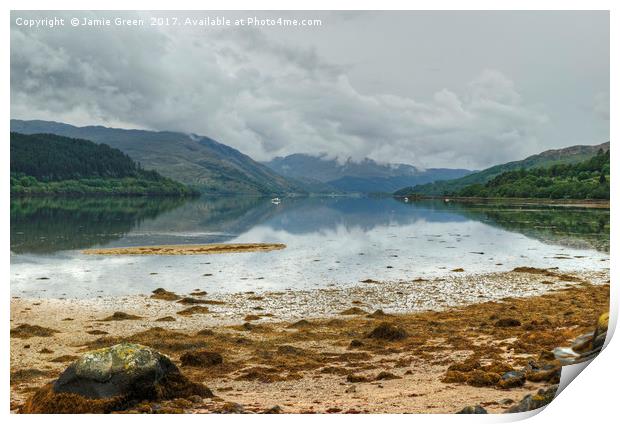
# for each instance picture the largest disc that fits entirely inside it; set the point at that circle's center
(112, 379)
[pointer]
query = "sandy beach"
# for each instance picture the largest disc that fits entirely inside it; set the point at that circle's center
(188, 249)
(322, 350)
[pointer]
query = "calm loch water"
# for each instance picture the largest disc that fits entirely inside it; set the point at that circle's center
(330, 241)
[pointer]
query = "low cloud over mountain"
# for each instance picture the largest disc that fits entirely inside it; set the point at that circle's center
(436, 89)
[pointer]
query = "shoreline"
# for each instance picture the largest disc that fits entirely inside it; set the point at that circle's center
(455, 289)
(299, 360)
(525, 201)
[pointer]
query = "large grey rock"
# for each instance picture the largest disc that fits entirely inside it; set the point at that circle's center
(114, 371)
(112, 379)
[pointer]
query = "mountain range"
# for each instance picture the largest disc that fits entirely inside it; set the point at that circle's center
(568, 155)
(365, 176)
(194, 160)
(215, 168)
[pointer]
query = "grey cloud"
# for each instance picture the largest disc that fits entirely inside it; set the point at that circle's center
(269, 93)
(601, 105)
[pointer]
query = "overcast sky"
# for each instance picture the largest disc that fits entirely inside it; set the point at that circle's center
(433, 89)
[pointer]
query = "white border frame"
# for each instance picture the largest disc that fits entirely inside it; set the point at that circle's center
(591, 398)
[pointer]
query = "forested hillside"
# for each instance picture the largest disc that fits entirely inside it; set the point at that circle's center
(200, 161)
(51, 164)
(568, 155)
(584, 180)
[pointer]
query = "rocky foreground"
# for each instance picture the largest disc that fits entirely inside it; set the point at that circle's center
(499, 356)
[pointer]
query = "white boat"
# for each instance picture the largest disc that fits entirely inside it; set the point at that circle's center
(276, 201)
(406, 199)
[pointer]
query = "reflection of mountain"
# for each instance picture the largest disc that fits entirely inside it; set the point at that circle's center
(45, 225)
(572, 227)
(221, 218)
(49, 225)
(300, 216)
(213, 218)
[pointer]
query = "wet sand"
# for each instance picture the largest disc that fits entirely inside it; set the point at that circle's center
(188, 249)
(294, 349)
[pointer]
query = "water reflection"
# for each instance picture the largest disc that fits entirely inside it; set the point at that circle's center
(46, 225)
(330, 241)
(43, 225)
(568, 226)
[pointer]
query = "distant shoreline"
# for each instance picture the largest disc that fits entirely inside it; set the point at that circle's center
(96, 195)
(585, 203)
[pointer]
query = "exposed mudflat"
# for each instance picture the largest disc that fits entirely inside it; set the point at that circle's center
(325, 350)
(188, 249)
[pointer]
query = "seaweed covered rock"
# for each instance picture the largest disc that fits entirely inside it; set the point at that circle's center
(480, 378)
(355, 344)
(387, 331)
(470, 371)
(163, 294)
(507, 322)
(112, 379)
(121, 316)
(467, 365)
(353, 311)
(511, 379)
(201, 358)
(377, 314)
(302, 323)
(546, 371)
(25, 331)
(531, 402)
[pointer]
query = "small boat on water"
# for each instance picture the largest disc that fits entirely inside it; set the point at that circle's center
(276, 201)
(406, 199)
